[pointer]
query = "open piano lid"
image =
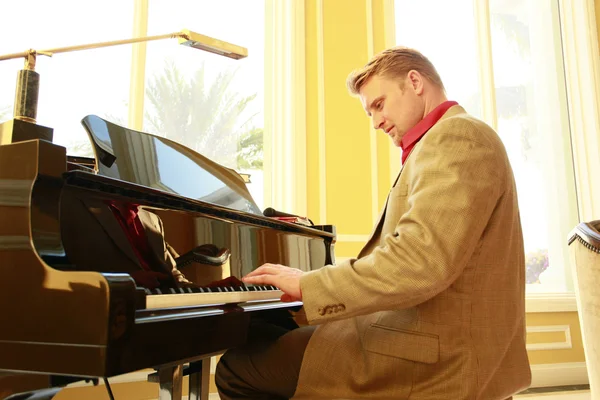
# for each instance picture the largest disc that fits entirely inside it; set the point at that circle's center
(155, 162)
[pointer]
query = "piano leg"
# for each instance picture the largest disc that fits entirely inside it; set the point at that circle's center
(199, 381)
(170, 381)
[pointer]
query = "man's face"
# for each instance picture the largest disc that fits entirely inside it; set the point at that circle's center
(392, 109)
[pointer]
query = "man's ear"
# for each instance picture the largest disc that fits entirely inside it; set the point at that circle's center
(415, 79)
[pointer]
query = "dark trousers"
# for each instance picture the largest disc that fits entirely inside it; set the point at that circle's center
(267, 366)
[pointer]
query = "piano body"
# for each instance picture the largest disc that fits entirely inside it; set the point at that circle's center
(71, 308)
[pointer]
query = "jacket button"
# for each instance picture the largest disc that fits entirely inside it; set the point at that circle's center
(341, 307)
(321, 311)
(396, 234)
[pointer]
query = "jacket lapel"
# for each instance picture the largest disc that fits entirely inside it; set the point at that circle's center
(154, 232)
(111, 226)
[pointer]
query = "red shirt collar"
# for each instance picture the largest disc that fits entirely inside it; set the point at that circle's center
(414, 134)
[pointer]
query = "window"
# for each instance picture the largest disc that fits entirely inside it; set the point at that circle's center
(72, 85)
(508, 70)
(209, 103)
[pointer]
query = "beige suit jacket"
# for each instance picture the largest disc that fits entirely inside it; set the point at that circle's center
(433, 307)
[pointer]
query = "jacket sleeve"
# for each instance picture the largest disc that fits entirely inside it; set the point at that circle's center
(455, 180)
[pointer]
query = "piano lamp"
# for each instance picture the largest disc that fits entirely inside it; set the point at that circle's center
(24, 127)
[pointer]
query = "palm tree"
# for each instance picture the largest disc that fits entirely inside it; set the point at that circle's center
(204, 117)
(250, 150)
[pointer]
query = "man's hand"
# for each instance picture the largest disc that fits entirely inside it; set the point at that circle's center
(285, 278)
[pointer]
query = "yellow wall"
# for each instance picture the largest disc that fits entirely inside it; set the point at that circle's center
(334, 48)
(556, 319)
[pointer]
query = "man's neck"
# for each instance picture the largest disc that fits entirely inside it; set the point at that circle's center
(433, 101)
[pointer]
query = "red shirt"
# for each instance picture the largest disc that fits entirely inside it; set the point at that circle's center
(131, 224)
(414, 134)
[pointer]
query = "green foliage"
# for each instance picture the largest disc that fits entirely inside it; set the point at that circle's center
(205, 118)
(516, 32)
(82, 148)
(250, 149)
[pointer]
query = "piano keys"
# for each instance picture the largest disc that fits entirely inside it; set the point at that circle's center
(71, 306)
(220, 295)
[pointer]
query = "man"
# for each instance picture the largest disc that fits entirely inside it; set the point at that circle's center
(433, 306)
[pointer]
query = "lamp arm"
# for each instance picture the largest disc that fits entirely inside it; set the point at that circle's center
(50, 52)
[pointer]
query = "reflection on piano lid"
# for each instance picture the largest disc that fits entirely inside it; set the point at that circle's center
(163, 164)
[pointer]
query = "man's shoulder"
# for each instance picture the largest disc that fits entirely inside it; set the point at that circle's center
(457, 115)
(457, 121)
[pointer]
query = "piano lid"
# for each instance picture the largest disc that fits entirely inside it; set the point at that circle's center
(163, 164)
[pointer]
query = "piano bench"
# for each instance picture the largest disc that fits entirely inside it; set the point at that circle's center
(40, 394)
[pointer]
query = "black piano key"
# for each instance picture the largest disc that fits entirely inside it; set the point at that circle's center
(224, 289)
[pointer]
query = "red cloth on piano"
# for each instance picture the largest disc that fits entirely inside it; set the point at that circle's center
(130, 222)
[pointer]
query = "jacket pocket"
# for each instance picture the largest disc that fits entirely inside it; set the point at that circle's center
(408, 345)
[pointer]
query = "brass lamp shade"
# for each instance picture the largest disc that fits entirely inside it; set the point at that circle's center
(207, 43)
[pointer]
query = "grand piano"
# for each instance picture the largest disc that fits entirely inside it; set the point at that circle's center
(70, 304)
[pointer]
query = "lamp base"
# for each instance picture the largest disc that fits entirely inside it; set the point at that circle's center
(15, 130)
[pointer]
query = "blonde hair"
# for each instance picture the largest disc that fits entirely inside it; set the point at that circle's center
(394, 63)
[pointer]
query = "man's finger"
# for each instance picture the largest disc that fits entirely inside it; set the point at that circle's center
(265, 269)
(260, 279)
